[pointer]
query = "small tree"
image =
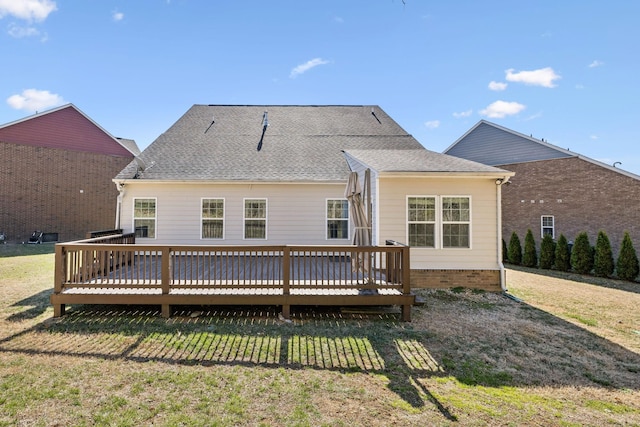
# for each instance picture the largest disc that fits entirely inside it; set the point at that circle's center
(582, 254)
(515, 249)
(563, 255)
(530, 256)
(627, 267)
(505, 252)
(547, 252)
(603, 260)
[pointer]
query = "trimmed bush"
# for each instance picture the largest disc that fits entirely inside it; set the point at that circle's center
(627, 267)
(582, 254)
(562, 256)
(547, 252)
(530, 256)
(603, 260)
(505, 252)
(515, 249)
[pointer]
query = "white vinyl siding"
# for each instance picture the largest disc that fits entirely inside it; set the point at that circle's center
(212, 219)
(547, 226)
(337, 219)
(144, 217)
(255, 219)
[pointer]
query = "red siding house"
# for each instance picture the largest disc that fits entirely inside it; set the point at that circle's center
(56, 175)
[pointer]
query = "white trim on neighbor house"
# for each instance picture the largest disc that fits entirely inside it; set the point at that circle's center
(155, 217)
(552, 227)
(223, 219)
(347, 219)
(245, 219)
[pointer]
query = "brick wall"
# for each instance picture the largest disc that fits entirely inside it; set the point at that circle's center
(57, 191)
(488, 280)
(580, 195)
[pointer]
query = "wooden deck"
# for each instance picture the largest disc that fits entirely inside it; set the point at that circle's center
(95, 272)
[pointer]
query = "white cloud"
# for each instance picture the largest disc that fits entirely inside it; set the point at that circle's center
(432, 124)
(463, 114)
(501, 109)
(593, 137)
(34, 100)
(338, 20)
(29, 10)
(596, 63)
(579, 86)
(544, 77)
(18, 31)
(303, 68)
(497, 86)
(117, 16)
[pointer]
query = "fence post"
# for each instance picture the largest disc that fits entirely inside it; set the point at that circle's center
(406, 282)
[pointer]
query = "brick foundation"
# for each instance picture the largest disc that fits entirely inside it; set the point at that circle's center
(488, 280)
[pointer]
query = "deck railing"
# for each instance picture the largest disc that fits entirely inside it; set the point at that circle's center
(113, 264)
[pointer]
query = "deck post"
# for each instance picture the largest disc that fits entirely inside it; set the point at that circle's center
(406, 282)
(59, 277)
(166, 278)
(286, 277)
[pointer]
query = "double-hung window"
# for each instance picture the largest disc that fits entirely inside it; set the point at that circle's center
(144, 217)
(255, 218)
(212, 219)
(439, 221)
(456, 222)
(337, 219)
(421, 214)
(547, 226)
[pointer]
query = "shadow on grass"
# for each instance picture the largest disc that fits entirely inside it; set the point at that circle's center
(34, 305)
(581, 278)
(18, 249)
(407, 354)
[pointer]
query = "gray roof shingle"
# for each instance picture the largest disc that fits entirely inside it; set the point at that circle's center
(301, 143)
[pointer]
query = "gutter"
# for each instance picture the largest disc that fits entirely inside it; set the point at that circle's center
(120, 187)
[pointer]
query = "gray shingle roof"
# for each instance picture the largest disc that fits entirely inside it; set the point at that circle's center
(420, 161)
(301, 143)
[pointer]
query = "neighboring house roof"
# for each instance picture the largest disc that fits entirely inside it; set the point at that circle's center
(130, 145)
(495, 145)
(300, 143)
(66, 128)
(404, 161)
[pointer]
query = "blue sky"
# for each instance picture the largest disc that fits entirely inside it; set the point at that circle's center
(566, 71)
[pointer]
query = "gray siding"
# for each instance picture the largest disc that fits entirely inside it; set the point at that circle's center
(492, 145)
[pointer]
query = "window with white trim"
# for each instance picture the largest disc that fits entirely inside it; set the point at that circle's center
(456, 222)
(337, 219)
(255, 218)
(144, 217)
(547, 226)
(421, 221)
(212, 219)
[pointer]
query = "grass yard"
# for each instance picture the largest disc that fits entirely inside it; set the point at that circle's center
(567, 355)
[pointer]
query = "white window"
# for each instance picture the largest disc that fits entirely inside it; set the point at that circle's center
(421, 216)
(144, 217)
(255, 218)
(337, 219)
(212, 219)
(547, 226)
(456, 222)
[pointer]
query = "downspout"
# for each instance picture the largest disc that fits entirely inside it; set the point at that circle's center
(120, 187)
(503, 278)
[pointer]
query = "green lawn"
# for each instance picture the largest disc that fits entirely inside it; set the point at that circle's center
(468, 358)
